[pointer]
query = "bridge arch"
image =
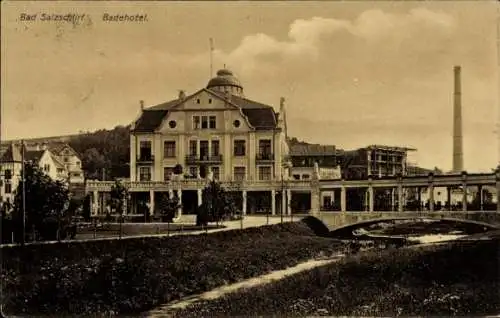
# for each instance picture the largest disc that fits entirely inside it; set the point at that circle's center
(347, 229)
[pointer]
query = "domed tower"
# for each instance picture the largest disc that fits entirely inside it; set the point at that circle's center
(226, 82)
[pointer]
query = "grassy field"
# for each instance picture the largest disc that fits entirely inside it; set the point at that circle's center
(130, 276)
(454, 279)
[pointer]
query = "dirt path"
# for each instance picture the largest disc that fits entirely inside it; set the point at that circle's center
(164, 310)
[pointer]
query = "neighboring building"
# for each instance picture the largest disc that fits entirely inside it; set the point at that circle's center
(68, 157)
(10, 172)
(376, 160)
(303, 157)
(216, 130)
(11, 167)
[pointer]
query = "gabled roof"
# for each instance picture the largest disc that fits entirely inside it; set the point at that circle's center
(57, 161)
(33, 155)
(58, 147)
(150, 120)
(259, 115)
(10, 153)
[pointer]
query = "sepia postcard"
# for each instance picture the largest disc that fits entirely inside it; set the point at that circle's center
(250, 158)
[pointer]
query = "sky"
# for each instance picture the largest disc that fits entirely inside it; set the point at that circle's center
(352, 73)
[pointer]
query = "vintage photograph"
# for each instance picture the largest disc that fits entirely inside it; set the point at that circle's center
(250, 158)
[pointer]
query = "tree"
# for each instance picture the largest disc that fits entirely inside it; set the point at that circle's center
(46, 203)
(177, 169)
(217, 204)
(118, 197)
(86, 208)
(167, 207)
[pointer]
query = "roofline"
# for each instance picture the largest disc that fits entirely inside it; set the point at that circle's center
(383, 147)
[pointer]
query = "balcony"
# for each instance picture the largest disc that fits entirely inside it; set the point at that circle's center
(198, 159)
(145, 159)
(264, 157)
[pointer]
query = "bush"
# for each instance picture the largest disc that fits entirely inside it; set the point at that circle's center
(133, 275)
(441, 280)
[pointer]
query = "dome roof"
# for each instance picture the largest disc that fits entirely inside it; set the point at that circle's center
(224, 78)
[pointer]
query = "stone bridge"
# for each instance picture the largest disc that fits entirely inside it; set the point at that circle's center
(337, 220)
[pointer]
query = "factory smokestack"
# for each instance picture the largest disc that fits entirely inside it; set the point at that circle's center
(458, 158)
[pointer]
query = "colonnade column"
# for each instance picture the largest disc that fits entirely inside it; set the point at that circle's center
(481, 198)
(289, 201)
(464, 191)
(200, 196)
(244, 202)
(431, 192)
(273, 202)
(400, 198)
(370, 198)
(431, 197)
(448, 197)
(419, 198)
(151, 202)
(179, 195)
(343, 207)
(95, 204)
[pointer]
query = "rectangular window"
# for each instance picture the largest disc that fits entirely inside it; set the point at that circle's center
(8, 174)
(46, 168)
(169, 149)
(296, 176)
(239, 148)
(305, 176)
(144, 174)
(265, 173)
(204, 149)
(193, 172)
(215, 148)
(265, 147)
(193, 147)
(167, 173)
(196, 122)
(216, 173)
(204, 122)
(8, 188)
(145, 149)
(239, 173)
(212, 122)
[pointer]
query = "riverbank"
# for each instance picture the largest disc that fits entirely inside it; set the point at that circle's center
(130, 276)
(448, 279)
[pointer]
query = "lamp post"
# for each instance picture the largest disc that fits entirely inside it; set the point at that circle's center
(286, 164)
(23, 193)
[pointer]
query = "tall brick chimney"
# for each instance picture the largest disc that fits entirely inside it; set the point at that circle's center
(458, 157)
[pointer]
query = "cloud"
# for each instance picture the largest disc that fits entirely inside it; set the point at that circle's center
(306, 38)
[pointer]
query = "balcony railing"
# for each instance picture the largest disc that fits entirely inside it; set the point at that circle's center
(145, 159)
(264, 157)
(194, 159)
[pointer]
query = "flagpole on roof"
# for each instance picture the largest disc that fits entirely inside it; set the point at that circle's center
(211, 56)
